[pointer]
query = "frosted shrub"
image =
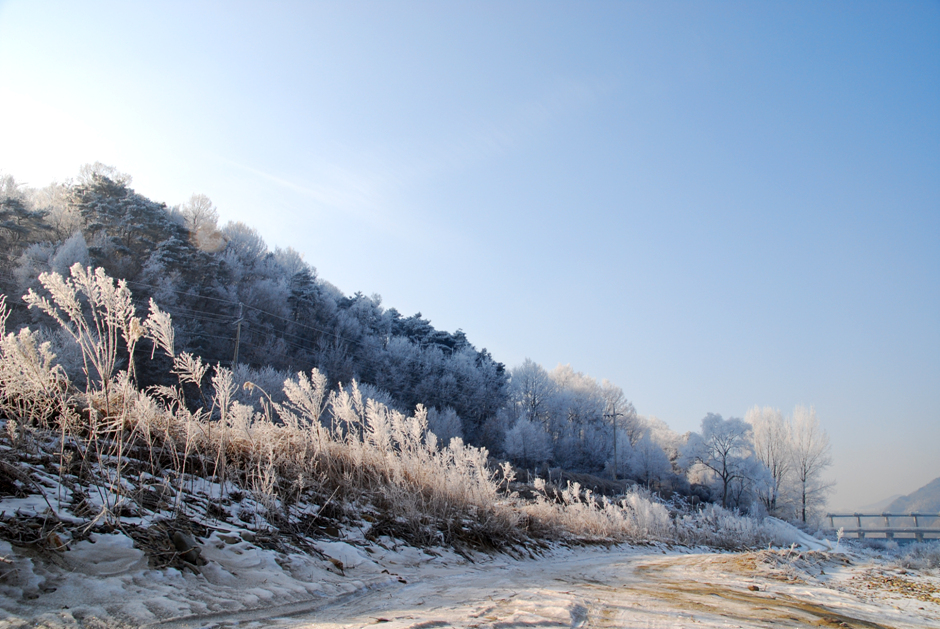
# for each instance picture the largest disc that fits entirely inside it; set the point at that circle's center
(921, 556)
(395, 455)
(445, 424)
(634, 517)
(262, 384)
(650, 518)
(32, 387)
(715, 526)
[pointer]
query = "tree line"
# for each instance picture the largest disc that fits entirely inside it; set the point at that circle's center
(230, 295)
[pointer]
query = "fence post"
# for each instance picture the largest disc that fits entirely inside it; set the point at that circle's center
(889, 534)
(918, 535)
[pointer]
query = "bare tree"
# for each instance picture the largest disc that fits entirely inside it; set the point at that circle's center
(724, 448)
(812, 454)
(202, 218)
(531, 391)
(88, 173)
(199, 213)
(772, 448)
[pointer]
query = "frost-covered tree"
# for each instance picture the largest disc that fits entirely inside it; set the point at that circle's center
(576, 420)
(445, 424)
(88, 174)
(201, 219)
(528, 443)
(812, 455)
(618, 463)
(772, 448)
(199, 213)
(724, 448)
(121, 227)
(245, 243)
(61, 216)
(531, 392)
(648, 463)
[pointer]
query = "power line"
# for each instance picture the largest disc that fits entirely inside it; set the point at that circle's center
(182, 292)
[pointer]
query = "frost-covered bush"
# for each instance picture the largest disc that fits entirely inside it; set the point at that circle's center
(576, 511)
(714, 526)
(921, 556)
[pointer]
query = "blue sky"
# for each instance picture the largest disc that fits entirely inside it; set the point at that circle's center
(712, 205)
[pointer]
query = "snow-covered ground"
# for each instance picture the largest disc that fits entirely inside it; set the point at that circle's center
(105, 582)
(641, 587)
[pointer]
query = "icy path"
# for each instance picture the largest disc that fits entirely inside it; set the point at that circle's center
(618, 587)
(107, 584)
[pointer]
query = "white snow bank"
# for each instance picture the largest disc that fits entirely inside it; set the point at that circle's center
(105, 577)
(105, 556)
(785, 534)
(349, 556)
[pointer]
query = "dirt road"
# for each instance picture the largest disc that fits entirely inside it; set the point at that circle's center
(623, 587)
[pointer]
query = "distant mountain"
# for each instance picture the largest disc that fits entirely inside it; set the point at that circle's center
(924, 500)
(879, 507)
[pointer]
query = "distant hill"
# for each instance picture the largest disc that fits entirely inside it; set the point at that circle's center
(880, 506)
(924, 500)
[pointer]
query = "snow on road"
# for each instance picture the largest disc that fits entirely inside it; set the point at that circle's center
(362, 584)
(630, 587)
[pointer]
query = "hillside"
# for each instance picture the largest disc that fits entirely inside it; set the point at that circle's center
(263, 316)
(233, 299)
(266, 315)
(924, 500)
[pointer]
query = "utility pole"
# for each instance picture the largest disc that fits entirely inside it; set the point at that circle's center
(238, 333)
(614, 415)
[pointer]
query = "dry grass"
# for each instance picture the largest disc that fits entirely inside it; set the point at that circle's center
(313, 446)
(126, 450)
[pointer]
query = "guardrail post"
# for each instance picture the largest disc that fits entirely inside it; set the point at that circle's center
(889, 534)
(918, 535)
(858, 519)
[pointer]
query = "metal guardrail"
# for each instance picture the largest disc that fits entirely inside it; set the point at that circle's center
(920, 531)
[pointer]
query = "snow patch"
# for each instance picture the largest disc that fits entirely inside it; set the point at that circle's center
(785, 534)
(349, 556)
